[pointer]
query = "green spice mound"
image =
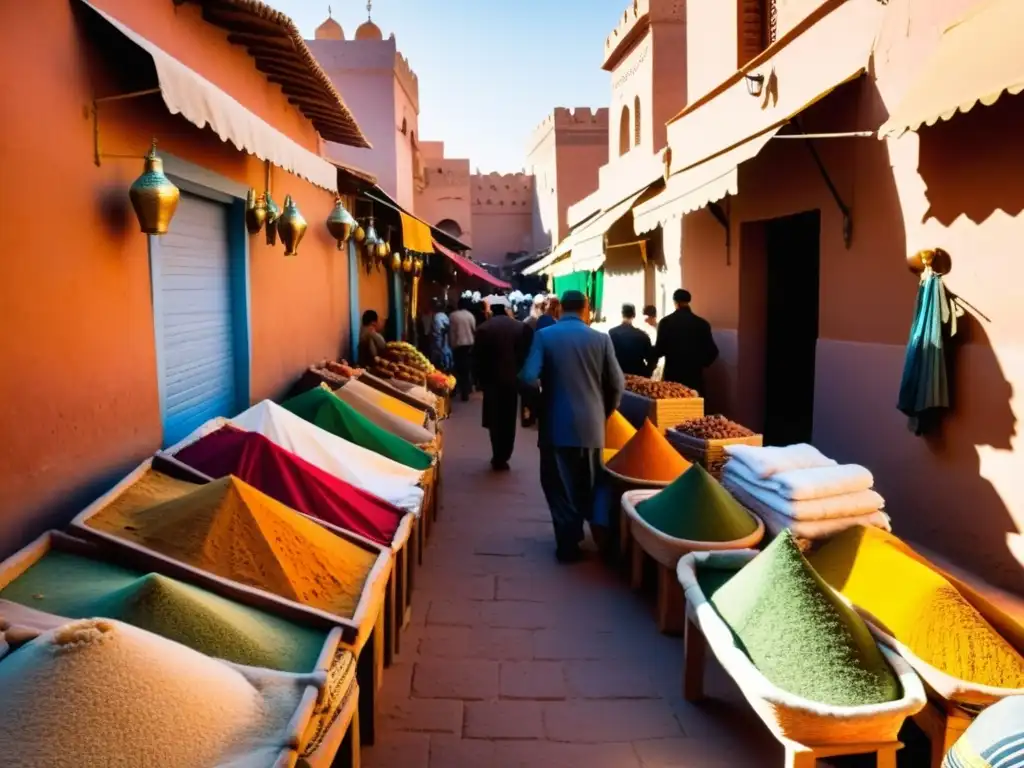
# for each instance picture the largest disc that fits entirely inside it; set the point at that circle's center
(799, 634)
(79, 587)
(695, 507)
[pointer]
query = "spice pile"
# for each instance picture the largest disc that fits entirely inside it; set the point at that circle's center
(918, 607)
(150, 489)
(797, 632)
(342, 368)
(230, 529)
(658, 390)
(78, 587)
(135, 699)
(617, 431)
(648, 456)
(696, 508)
(715, 427)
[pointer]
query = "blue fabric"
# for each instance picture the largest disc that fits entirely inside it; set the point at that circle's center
(924, 389)
(580, 379)
(994, 740)
(545, 321)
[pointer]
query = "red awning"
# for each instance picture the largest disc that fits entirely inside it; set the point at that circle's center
(470, 268)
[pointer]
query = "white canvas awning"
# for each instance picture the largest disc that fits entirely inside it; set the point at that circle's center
(588, 253)
(189, 94)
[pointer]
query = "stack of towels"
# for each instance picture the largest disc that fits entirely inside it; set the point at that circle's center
(799, 488)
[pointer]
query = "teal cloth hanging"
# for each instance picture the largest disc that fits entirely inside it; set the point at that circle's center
(924, 388)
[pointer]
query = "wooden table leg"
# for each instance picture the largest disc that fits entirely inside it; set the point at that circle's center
(800, 758)
(369, 675)
(636, 565)
(421, 534)
(391, 617)
(694, 649)
(671, 610)
(887, 757)
(350, 754)
(401, 593)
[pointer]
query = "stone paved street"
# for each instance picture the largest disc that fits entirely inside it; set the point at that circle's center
(513, 660)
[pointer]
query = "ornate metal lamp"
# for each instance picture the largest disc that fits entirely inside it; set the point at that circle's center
(291, 226)
(154, 197)
(340, 223)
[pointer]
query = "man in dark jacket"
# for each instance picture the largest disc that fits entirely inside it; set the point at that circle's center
(686, 343)
(501, 346)
(580, 385)
(633, 348)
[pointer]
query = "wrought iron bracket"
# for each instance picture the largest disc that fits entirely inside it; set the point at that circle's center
(844, 209)
(95, 114)
(722, 217)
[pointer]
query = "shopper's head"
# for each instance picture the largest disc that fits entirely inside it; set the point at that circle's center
(651, 314)
(553, 307)
(498, 309)
(465, 303)
(681, 297)
(574, 302)
(370, 319)
(628, 313)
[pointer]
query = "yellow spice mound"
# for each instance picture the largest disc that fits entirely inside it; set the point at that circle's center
(150, 489)
(649, 456)
(617, 431)
(230, 529)
(918, 607)
(608, 454)
(100, 693)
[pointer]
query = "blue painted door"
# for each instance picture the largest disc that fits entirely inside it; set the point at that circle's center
(192, 293)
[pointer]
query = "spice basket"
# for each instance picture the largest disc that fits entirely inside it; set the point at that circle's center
(666, 550)
(710, 454)
(320, 707)
(662, 413)
(620, 484)
(794, 720)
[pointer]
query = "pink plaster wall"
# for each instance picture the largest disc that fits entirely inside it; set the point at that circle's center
(446, 191)
(502, 210)
(959, 491)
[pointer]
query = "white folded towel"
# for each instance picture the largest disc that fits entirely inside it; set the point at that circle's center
(766, 462)
(821, 482)
(846, 505)
(812, 530)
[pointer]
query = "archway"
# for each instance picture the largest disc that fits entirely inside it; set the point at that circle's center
(450, 226)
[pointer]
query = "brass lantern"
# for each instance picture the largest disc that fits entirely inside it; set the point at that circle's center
(273, 215)
(340, 223)
(417, 267)
(255, 212)
(153, 196)
(291, 226)
(396, 261)
(370, 239)
(407, 263)
(359, 234)
(382, 249)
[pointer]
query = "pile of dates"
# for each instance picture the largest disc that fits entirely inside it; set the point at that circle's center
(658, 390)
(713, 428)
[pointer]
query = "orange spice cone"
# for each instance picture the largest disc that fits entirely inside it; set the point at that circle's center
(649, 456)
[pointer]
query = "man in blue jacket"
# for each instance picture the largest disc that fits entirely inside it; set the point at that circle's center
(581, 384)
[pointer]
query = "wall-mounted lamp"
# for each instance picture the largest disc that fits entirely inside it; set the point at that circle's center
(755, 84)
(255, 212)
(273, 215)
(291, 227)
(340, 223)
(153, 196)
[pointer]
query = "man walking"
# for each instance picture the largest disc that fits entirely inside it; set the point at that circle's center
(462, 336)
(686, 343)
(501, 346)
(580, 385)
(633, 348)
(552, 312)
(651, 316)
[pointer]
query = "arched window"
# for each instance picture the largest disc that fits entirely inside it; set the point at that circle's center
(624, 131)
(451, 227)
(636, 122)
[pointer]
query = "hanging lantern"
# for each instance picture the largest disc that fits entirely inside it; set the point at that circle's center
(340, 223)
(291, 226)
(407, 263)
(255, 212)
(396, 261)
(417, 267)
(153, 196)
(272, 218)
(359, 234)
(370, 240)
(382, 249)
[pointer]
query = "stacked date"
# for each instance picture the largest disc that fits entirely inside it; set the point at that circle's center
(658, 390)
(715, 427)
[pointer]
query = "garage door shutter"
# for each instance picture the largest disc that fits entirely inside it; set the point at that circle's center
(193, 301)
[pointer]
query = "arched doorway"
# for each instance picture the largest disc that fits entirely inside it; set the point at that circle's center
(450, 227)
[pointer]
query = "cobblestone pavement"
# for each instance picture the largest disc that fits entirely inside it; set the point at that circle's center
(514, 661)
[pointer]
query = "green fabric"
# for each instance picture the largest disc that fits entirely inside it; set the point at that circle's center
(799, 634)
(596, 293)
(321, 407)
(697, 508)
(924, 388)
(574, 281)
(78, 588)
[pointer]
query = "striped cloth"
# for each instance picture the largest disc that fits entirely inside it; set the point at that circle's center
(994, 740)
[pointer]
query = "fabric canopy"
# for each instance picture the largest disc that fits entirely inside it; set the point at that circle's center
(415, 234)
(322, 407)
(387, 479)
(561, 251)
(696, 187)
(387, 420)
(469, 267)
(978, 60)
(588, 250)
(293, 481)
(202, 103)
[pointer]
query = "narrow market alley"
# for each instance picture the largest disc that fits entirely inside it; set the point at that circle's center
(513, 660)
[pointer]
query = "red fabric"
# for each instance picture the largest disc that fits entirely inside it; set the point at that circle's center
(470, 268)
(293, 481)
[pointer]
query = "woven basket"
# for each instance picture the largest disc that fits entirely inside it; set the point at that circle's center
(710, 454)
(667, 549)
(788, 716)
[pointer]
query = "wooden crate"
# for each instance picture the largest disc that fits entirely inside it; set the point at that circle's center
(665, 414)
(322, 724)
(710, 454)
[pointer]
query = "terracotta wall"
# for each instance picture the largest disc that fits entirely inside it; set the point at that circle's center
(78, 382)
(958, 491)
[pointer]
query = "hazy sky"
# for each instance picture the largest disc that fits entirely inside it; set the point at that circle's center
(489, 70)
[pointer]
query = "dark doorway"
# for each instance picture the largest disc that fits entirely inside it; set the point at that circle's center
(791, 327)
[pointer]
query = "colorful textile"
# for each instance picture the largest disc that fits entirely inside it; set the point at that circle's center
(994, 740)
(321, 407)
(293, 481)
